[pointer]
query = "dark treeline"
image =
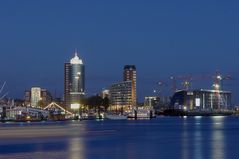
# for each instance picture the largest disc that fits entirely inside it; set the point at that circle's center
(96, 102)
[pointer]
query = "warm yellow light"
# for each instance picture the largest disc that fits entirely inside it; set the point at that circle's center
(75, 106)
(216, 86)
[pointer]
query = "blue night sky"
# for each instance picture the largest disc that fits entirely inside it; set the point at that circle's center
(161, 37)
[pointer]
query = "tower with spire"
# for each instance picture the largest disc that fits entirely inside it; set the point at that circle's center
(74, 81)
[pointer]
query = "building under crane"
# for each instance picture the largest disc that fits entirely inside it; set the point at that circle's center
(202, 99)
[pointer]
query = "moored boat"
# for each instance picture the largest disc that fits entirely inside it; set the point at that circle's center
(142, 113)
(116, 117)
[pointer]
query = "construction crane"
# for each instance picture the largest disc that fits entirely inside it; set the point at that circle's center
(219, 80)
(218, 87)
(188, 79)
(158, 88)
(186, 82)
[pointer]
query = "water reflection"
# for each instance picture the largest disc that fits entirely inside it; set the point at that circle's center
(203, 138)
(198, 139)
(192, 139)
(76, 148)
(185, 140)
(218, 139)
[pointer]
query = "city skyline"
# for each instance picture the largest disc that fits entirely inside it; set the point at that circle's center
(159, 38)
(119, 79)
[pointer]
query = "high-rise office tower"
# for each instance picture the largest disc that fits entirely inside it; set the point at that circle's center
(130, 75)
(74, 81)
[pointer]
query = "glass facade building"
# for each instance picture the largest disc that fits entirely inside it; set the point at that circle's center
(74, 81)
(202, 100)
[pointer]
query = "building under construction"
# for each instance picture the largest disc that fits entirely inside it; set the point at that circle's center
(201, 100)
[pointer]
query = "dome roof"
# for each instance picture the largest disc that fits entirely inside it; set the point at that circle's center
(76, 60)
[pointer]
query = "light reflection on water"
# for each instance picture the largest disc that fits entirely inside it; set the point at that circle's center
(181, 138)
(198, 139)
(202, 139)
(185, 141)
(218, 139)
(76, 148)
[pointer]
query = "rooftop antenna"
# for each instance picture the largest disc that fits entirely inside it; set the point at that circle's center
(76, 52)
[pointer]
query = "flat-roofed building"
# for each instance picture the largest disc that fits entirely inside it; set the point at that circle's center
(129, 74)
(37, 97)
(151, 101)
(202, 100)
(121, 95)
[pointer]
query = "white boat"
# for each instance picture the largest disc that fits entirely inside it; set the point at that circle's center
(116, 117)
(142, 113)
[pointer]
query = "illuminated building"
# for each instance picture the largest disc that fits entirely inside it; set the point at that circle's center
(74, 81)
(151, 101)
(105, 93)
(121, 95)
(201, 100)
(130, 75)
(37, 97)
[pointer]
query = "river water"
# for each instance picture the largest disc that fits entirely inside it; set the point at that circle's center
(160, 138)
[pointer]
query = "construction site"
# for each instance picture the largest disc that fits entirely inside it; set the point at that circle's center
(208, 101)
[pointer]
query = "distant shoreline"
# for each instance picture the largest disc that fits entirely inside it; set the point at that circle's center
(176, 112)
